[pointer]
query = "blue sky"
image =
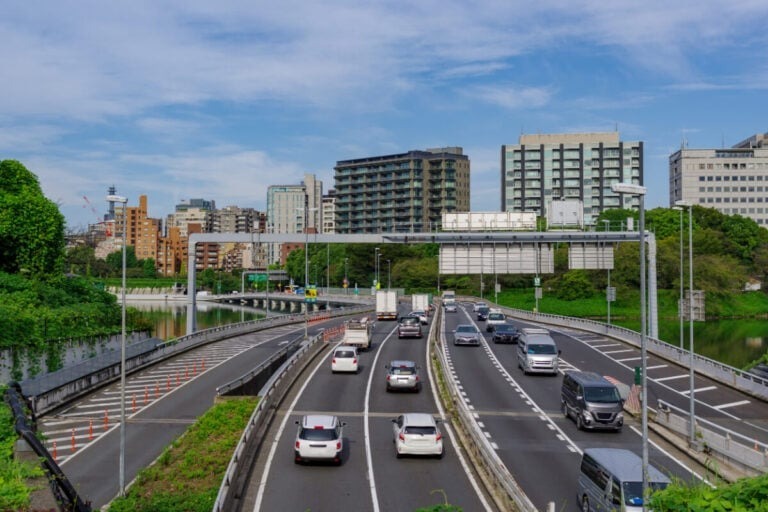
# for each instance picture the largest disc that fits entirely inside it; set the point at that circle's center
(219, 100)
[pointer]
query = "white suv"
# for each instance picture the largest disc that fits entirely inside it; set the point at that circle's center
(319, 438)
(495, 317)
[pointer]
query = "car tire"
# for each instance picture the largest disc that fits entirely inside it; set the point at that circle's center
(584, 504)
(564, 408)
(398, 455)
(441, 454)
(579, 421)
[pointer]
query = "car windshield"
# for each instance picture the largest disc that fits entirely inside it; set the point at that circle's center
(505, 328)
(344, 353)
(496, 316)
(403, 370)
(541, 349)
(318, 434)
(483, 310)
(603, 394)
(633, 491)
(466, 329)
(420, 431)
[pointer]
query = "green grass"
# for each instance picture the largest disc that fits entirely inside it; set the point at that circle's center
(14, 491)
(187, 476)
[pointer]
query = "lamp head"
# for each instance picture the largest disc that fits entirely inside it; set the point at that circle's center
(117, 199)
(629, 188)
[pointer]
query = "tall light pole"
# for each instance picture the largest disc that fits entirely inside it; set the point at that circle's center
(680, 306)
(608, 288)
(389, 274)
(124, 202)
(376, 269)
(691, 396)
(639, 191)
(306, 267)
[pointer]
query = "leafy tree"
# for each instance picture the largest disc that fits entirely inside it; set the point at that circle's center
(573, 285)
(31, 226)
(115, 260)
(149, 267)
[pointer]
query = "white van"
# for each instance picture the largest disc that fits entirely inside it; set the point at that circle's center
(612, 479)
(537, 352)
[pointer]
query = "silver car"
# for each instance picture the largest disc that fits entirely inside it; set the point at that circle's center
(403, 375)
(466, 334)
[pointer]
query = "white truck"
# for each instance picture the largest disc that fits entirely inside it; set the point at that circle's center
(449, 300)
(357, 333)
(386, 305)
(420, 302)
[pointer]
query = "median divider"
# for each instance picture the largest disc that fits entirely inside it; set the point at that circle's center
(497, 479)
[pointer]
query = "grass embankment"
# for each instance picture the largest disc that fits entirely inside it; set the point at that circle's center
(187, 476)
(14, 492)
(745, 495)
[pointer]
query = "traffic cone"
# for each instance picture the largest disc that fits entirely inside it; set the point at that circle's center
(106, 419)
(54, 451)
(202, 365)
(90, 430)
(146, 394)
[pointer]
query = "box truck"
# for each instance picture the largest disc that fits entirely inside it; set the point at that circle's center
(386, 305)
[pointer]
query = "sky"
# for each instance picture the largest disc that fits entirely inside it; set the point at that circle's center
(219, 100)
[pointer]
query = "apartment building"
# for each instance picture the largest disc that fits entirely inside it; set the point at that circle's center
(406, 192)
(573, 166)
(329, 212)
(293, 209)
(732, 180)
(142, 232)
(189, 211)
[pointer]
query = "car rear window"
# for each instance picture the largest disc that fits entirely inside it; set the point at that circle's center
(420, 431)
(318, 434)
(496, 316)
(409, 320)
(344, 353)
(403, 371)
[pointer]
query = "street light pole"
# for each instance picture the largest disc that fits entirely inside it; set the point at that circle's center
(306, 268)
(124, 201)
(389, 274)
(692, 391)
(639, 191)
(608, 289)
(376, 270)
(346, 281)
(680, 306)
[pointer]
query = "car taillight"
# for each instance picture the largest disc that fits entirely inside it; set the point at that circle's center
(439, 436)
(417, 378)
(338, 445)
(389, 377)
(298, 445)
(333, 361)
(354, 361)
(401, 436)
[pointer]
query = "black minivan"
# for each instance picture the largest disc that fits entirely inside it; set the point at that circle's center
(592, 400)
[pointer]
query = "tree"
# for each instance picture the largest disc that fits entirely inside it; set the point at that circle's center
(31, 226)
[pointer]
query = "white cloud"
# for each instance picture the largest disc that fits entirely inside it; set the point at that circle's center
(511, 97)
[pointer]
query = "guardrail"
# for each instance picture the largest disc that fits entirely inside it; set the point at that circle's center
(50, 391)
(501, 480)
(62, 489)
(750, 454)
(723, 373)
(272, 394)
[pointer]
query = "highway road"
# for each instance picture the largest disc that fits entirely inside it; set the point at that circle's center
(162, 402)
(370, 478)
(521, 414)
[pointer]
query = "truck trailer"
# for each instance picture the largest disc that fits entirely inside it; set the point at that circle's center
(386, 305)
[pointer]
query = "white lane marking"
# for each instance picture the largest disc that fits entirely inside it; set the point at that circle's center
(367, 426)
(656, 367)
(619, 351)
(607, 345)
(662, 450)
(284, 342)
(276, 440)
(732, 404)
(628, 359)
(673, 377)
(706, 388)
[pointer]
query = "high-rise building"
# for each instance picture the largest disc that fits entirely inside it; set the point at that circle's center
(329, 212)
(293, 209)
(406, 192)
(191, 211)
(142, 232)
(575, 166)
(733, 180)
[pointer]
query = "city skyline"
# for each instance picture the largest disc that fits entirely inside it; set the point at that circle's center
(183, 100)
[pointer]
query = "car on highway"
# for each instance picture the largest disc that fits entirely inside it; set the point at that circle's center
(482, 313)
(450, 307)
(409, 327)
(592, 400)
(319, 438)
(403, 375)
(421, 315)
(478, 305)
(417, 434)
(495, 317)
(505, 333)
(537, 351)
(344, 359)
(466, 334)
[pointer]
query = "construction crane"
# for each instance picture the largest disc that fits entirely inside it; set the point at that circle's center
(88, 204)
